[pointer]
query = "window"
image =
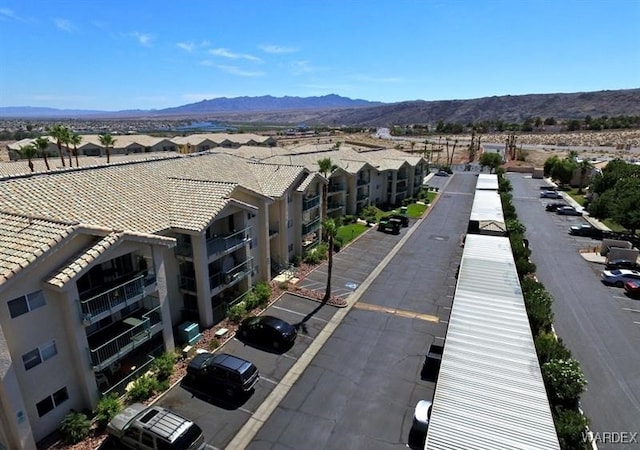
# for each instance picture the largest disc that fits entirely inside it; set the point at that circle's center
(290, 223)
(290, 248)
(23, 305)
(52, 401)
(40, 354)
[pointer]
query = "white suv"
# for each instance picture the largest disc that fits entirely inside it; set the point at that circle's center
(154, 428)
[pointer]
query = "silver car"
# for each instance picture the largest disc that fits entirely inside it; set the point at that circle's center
(421, 416)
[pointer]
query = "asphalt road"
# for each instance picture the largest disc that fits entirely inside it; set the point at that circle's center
(599, 324)
(360, 390)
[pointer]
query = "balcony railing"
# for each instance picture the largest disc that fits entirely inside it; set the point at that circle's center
(116, 348)
(402, 177)
(362, 182)
(334, 206)
(227, 243)
(362, 197)
(115, 297)
(187, 283)
(311, 226)
(311, 202)
(337, 187)
(274, 229)
(232, 276)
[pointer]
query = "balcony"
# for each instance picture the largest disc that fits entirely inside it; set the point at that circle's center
(222, 280)
(362, 197)
(334, 206)
(274, 229)
(362, 182)
(311, 202)
(312, 226)
(336, 187)
(112, 299)
(223, 244)
(123, 337)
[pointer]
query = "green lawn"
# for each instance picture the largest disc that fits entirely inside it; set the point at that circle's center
(349, 232)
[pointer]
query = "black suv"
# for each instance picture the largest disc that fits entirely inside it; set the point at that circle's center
(221, 372)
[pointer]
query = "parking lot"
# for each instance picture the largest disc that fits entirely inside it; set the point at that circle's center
(221, 417)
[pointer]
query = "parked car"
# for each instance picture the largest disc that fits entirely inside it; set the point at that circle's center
(442, 173)
(550, 194)
(404, 220)
(632, 287)
(221, 372)
(553, 207)
(622, 264)
(617, 277)
(421, 416)
(568, 211)
(267, 331)
(152, 427)
(585, 230)
(389, 224)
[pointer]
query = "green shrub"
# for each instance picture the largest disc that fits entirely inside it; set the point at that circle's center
(108, 406)
(237, 312)
(165, 365)
(570, 428)
(143, 388)
(549, 347)
(564, 381)
(538, 303)
(283, 285)
(346, 220)
(263, 292)
(75, 427)
(214, 343)
(251, 301)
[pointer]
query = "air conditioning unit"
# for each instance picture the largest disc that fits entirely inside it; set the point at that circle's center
(188, 333)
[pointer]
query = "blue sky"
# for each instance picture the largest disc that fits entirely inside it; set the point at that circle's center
(151, 54)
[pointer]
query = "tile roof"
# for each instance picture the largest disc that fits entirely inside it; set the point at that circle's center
(24, 239)
(76, 265)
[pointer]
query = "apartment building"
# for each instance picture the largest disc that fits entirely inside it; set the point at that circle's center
(100, 266)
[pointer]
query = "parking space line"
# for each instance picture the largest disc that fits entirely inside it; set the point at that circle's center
(268, 380)
(297, 313)
(211, 447)
(293, 358)
(637, 323)
(245, 410)
(631, 309)
(397, 312)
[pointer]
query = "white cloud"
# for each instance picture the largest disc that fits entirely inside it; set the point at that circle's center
(206, 62)
(226, 53)
(238, 71)
(186, 46)
(143, 38)
(64, 25)
(302, 67)
(277, 49)
(8, 14)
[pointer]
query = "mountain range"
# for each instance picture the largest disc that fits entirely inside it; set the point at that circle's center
(336, 110)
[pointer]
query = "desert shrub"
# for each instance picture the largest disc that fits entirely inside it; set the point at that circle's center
(106, 409)
(165, 365)
(75, 427)
(251, 301)
(283, 285)
(262, 291)
(570, 427)
(214, 343)
(143, 388)
(237, 312)
(548, 348)
(564, 381)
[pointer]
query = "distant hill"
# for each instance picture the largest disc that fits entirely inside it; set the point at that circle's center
(337, 110)
(265, 103)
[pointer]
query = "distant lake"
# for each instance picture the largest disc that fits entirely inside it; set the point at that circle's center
(204, 126)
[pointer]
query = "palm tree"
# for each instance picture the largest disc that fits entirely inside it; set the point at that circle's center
(29, 151)
(330, 230)
(42, 143)
(584, 166)
(59, 132)
(325, 166)
(75, 139)
(107, 141)
(66, 140)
